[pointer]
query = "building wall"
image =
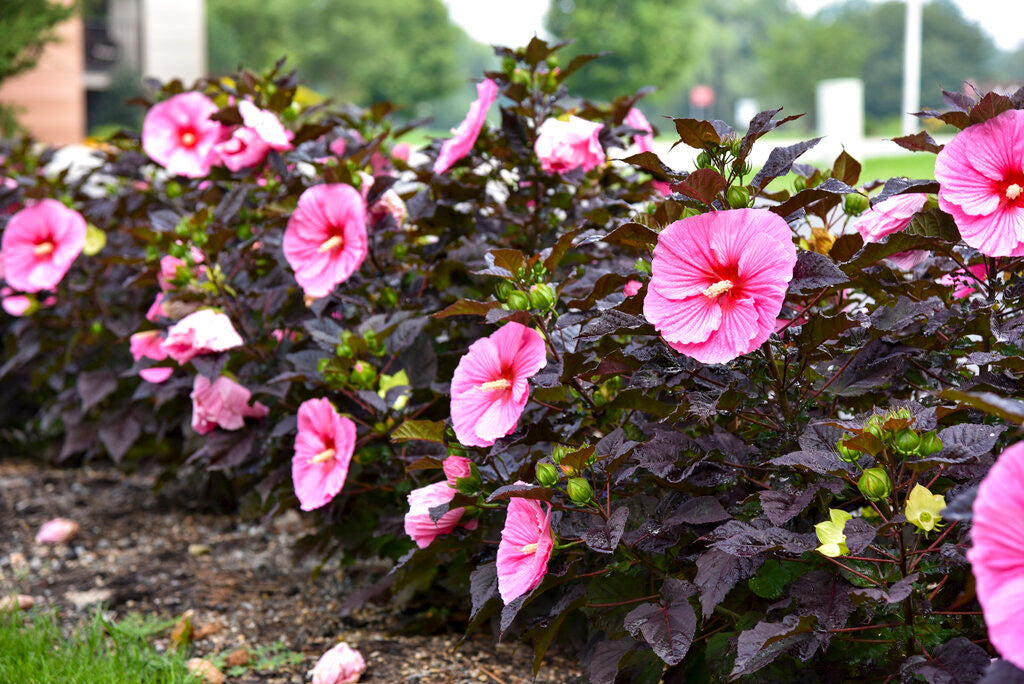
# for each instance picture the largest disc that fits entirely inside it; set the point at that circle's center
(51, 97)
(174, 39)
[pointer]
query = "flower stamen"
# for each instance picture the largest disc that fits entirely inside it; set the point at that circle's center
(495, 385)
(323, 456)
(529, 548)
(330, 243)
(721, 287)
(188, 138)
(1013, 192)
(43, 248)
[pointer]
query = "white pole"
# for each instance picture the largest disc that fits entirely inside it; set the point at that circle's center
(912, 67)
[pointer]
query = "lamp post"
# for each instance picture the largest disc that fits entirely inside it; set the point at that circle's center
(912, 67)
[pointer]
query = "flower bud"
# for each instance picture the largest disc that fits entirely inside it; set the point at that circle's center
(738, 197)
(542, 297)
(547, 474)
(930, 444)
(855, 204)
(736, 147)
(906, 442)
(874, 483)
(703, 160)
(519, 300)
(579, 490)
(502, 290)
(846, 453)
(799, 183)
(363, 375)
(559, 452)
(690, 211)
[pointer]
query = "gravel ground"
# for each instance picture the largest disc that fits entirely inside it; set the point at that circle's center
(144, 552)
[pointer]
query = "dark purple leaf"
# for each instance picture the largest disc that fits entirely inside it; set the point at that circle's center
(702, 184)
(95, 386)
(780, 160)
(919, 142)
(958, 661)
(814, 271)
(762, 644)
(669, 626)
(605, 536)
(524, 491)
(717, 573)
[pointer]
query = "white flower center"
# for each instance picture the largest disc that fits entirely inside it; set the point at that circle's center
(43, 248)
(1013, 192)
(330, 243)
(188, 138)
(721, 287)
(323, 456)
(495, 385)
(529, 548)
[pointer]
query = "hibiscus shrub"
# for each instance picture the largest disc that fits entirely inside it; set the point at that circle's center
(689, 424)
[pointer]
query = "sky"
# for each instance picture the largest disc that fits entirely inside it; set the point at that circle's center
(514, 22)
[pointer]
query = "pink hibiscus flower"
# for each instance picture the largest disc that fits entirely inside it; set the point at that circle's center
(389, 203)
(525, 548)
(891, 216)
(456, 467)
(266, 125)
(323, 451)
(39, 244)
(418, 523)
(156, 310)
(249, 144)
(965, 285)
(464, 137)
(149, 344)
(14, 304)
(342, 664)
(490, 387)
(223, 403)
(325, 241)
(57, 531)
(401, 151)
(719, 281)
(636, 119)
(179, 135)
(631, 287)
(169, 266)
(202, 332)
(981, 183)
(997, 558)
(566, 145)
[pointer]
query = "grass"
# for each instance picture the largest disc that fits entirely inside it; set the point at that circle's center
(33, 648)
(917, 165)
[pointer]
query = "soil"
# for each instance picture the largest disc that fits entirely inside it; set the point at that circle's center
(140, 551)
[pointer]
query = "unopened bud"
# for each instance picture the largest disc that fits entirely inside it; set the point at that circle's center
(856, 204)
(930, 444)
(579, 490)
(906, 442)
(846, 453)
(542, 297)
(874, 483)
(703, 160)
(738, 197)
(547, 474)
(518, 300)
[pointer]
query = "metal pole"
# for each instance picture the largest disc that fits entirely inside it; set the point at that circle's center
(912, 67)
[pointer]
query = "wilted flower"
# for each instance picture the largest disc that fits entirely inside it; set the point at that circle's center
(923, 508)
(156, 310)
(388, 204)
(490, 387)
(202, 332)
(718, 282)
(325, 241)
(223, 403)
(169, 266)
(39, 244)
(179, 134)
(830, 534)
(566, 145)
(464, 137)
(418, 523)
(248, 144)
(57, 531)
(525, 548)
(997, 557)
(981, 183)
(323, 451)
(342, 664)
(889, 216)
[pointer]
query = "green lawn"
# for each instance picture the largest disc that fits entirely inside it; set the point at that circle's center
(34, 649)
(917, 165)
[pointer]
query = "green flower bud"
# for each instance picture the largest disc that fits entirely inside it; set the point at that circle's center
(519, 300)
(173, 189)
(874, 483)
(643, 266)
(799, 183)
(856, 204)
(400, 251)
(508, 64)
(906, 442)
(579, 490)
(930, 444)
(363, 375)
(502, 290)
(846, 453)
(547, 474)
(738, 197)
(690, 211)
(703, 160)
(736, 147)
(96, 327)
(542, 297)
(244, 231)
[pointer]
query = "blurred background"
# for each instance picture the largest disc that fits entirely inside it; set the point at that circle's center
(66, 70)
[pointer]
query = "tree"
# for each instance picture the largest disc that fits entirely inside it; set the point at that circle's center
(27, 26)
(652, 42)
(404, 51)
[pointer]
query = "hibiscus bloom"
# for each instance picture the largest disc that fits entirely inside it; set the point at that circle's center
(323, 452)
(891, 216)
(249, 144)
(997, 558)
(342, 664)
(149, 345)
(266, 125)
(456, 467)
(325, 241)
(156, 310)
(179, 134)
(636, 119)
(566, 145)
(981, 183)
(418, 523)
(169, 266)
(39, 244)
(223, 403)
(464, 137)
(719, 281)
(490, 387)
(965, 285)
(525, 548)
(203, 332)
(631, 287)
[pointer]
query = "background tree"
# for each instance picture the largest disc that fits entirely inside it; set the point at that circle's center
(652, 42)
(27, 26)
